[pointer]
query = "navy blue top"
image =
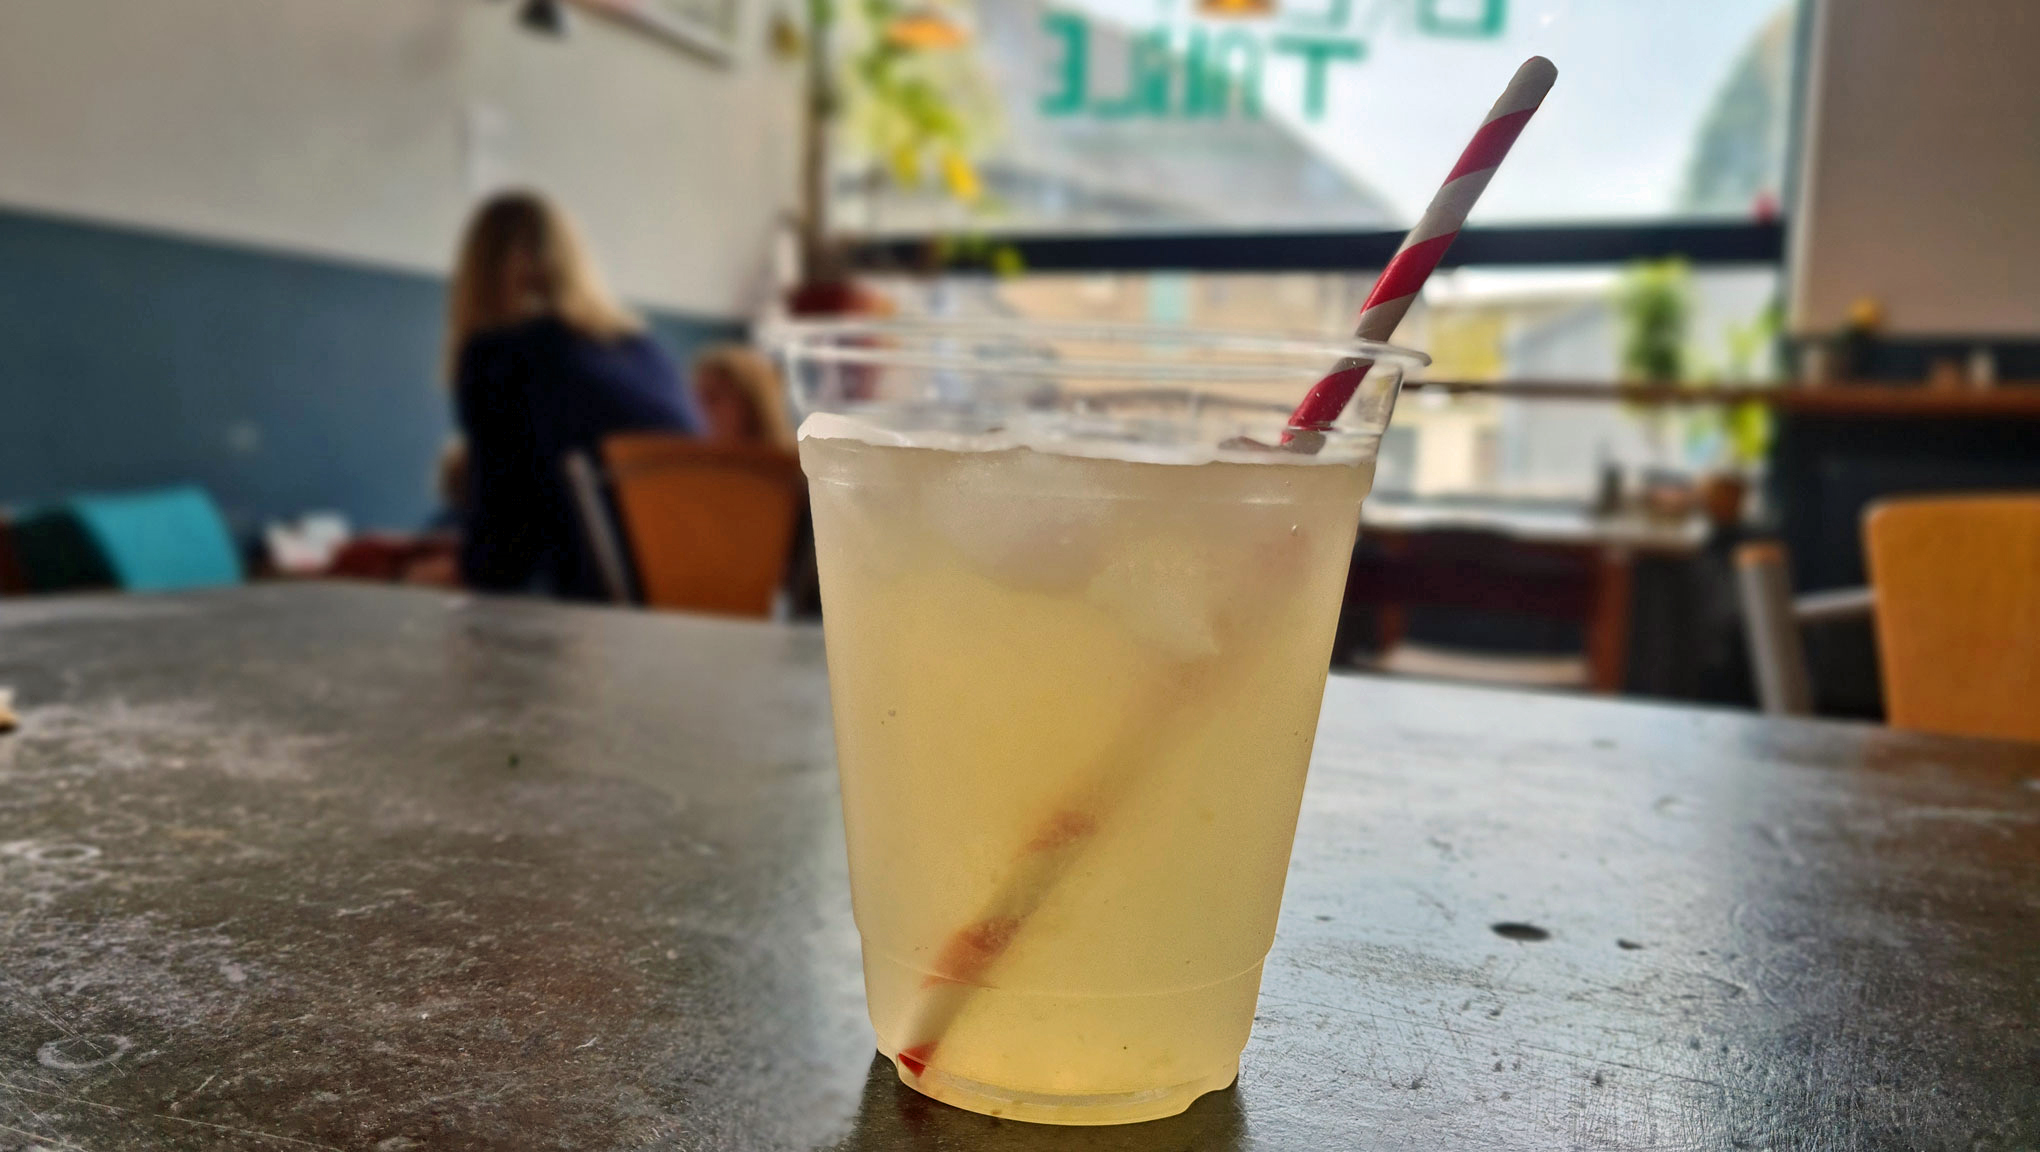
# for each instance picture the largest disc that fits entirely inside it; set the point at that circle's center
(526, 396)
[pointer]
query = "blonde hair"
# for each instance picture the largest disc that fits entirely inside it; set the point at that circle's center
(566, 283)
(758, 381)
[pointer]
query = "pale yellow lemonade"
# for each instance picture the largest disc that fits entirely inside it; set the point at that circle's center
(1137, 648)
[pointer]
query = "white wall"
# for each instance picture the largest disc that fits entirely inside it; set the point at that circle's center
(358, 129)
(1921, 184)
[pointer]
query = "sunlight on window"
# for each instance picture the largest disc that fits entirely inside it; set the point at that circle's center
(1108, 116)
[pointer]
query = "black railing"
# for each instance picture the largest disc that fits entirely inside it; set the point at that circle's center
(1700, 242)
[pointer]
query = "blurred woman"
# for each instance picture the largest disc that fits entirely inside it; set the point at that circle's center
(544, 362)
(738, 400)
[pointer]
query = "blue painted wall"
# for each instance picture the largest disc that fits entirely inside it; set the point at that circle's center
(281, 383)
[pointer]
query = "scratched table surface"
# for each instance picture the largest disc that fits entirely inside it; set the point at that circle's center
(331, 867)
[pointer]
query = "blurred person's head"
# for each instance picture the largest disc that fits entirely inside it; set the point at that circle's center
(521, 258)
(737, 398)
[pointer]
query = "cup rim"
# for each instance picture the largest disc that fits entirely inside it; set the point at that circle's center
(863, 341)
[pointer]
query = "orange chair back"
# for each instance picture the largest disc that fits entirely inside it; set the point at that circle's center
(1957, 582)
(710, 527)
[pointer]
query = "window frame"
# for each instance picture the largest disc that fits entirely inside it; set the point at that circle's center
(1702, 242)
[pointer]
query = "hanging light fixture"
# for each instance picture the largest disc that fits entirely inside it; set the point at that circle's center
(544, 17)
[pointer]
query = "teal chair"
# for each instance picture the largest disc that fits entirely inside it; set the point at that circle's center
(162, 540)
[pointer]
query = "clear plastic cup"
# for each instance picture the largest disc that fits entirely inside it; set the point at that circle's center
(1079, 602)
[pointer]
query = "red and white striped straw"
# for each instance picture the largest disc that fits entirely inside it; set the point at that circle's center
(1064, 834)
(1421, 250)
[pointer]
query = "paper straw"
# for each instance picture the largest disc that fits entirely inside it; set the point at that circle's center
(1062, 836)
(1425, 246)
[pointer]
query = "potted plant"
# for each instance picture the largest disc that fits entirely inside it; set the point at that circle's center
(897, 83)
(1741, 430)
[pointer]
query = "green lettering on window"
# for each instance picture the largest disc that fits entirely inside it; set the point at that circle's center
(1223, 75)
(1317, 53)
(1149, 71)
(1068, 97)
(1459, 18)
(1335, 15)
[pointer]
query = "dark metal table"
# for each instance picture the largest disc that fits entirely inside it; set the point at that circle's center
(329, 867)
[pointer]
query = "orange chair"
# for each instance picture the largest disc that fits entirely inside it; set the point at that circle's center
(1957, 583)
(711, 528)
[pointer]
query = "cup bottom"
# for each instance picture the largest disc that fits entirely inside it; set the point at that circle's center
(1074, 1109)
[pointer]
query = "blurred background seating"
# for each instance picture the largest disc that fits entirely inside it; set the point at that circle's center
(710, 526)
(1954, 597)
(1760, 266)
(165, 540)
(1957, 589)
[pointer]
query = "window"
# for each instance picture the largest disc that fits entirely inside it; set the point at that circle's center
(1103, 117)
(1542, 329)
(1251, 163)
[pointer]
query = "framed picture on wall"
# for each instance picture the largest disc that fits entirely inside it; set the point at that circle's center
(707, 28)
